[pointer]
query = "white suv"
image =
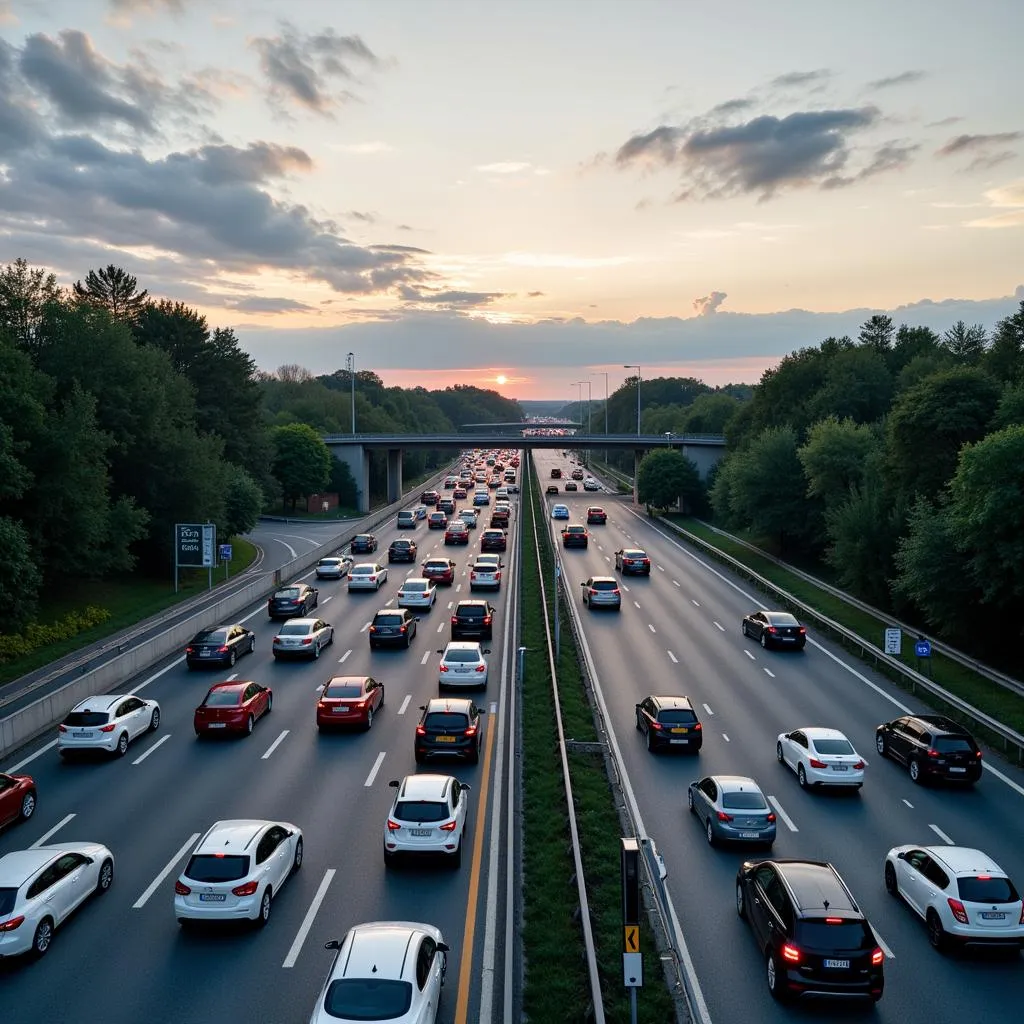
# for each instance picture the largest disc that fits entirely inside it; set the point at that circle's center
(463, 664)
(108, 721)
(236, 870)
(428, 816)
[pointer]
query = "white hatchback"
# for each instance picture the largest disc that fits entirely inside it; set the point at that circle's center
(236, 871)
(463, 665)
(108, 721)
(428, 816)
(820, 757)
(417, 592)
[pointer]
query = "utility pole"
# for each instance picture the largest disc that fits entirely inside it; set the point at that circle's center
(350, 365)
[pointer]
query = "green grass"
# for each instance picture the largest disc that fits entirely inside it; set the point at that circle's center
(1001, 704)
(129, 599)
(557, 990)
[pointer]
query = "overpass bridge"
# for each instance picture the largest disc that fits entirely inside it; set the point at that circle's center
(705, 450)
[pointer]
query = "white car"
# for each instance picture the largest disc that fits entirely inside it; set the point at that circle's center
(501, 494)
(469, 517)
(559, 511)
(428, 816)
(108, 721)
(417, 592)
(236, 871)
(489, 558)
(484, 574)
(820, 757)
(332, 568)
(463, 664)
(384, 971)
(40, 888)
(302, 638)
(590, 484)
(367, 576)
(963, 895)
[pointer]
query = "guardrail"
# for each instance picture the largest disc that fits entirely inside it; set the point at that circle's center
(1010, 738)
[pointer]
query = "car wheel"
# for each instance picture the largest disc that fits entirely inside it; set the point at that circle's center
(330, 639)
(252, 645)
(316, 650)
(710, 833)
(936, 933)
(419, 757)
(106, 878)
(779, 754)
(474, 758)
(880, 745)
(743, 628)
(389, 858)
(232, 658)
(369, 719)
(408, 640)
(42, 938)
(650, 741)
(891, 886)
(154, 720)
(741, 903)
(122, 745)
(764, 641)
(801, 776)
(297, 859)
(248, 725)
(28, 805)
(270, 703)
(264, 914)
(915, 772)
(773, 976)
(689, 801)
(189, 666)
(456, 861)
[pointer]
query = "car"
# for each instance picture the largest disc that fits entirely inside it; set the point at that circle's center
(775, 629)
(577, 474)
(428, 817)
(236, 871)
(559, 511)
(363, 544)
(473, 619)
(463, 663)
(420, 512)
(551, 489)
(481, 498)
(596, 516)
(233, 706)
(602, 592)
(556, 474)
(292, 601)
(820, 757)
(406, 520)
(731, 808)
(570, 485)
(439, 570)
(367, 576)
(449, 483)
(18, 798)
(430, 498)
(490, 558)
(963, 896)
(402, 550)
(668, 721)
(501, 494)
(391, 627)
(437, 521)
(333, 567)
(384, 971)
(457, 532)
(484, 574)
(459, 494)
(417, 592)
(632, 562)
(219, 645)
(499, 518)
(349, 700)
(42, 887)
(513, 488)
(449, 727)
(493, 540)
(932, 747)
(302, 638)
(575, 536)
(469, 517)
(108, 722)
(447, 506)
(813, 937)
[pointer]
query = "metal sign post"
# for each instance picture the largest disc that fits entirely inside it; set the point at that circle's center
(632, 958)
(923, 653)
(225, 553)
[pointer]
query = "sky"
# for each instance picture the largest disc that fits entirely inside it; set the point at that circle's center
(524, 194)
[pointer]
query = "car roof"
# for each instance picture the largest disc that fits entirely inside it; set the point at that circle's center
(964, 860)
(472, 601)
(417, 579)
(427, 786)
(236, 833)
(304, 622)
(101, 702)
(231, 684)
(18, 867)
(813, 883)
(604, 579)
(347, 679)
(380, 949)
(463, 645)
(671, 701)
(332, 558)
(364, 566)
(634, 551)
(818, 732)
(449, 704)
(735, 783)
(939, 723)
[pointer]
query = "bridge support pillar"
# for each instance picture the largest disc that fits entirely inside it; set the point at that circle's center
(638, 454)
(357, 458)
(394, 474)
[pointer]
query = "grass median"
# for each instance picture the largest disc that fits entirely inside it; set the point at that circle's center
(556, 984)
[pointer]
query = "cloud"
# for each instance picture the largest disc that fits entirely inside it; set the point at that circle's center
(732, 106)
(451, 298)
(258, 162)
(7, 16)
(903, 78)
(943, 122)
(534, 295)
(267, 304)
(800, 78)
(508, 167)
(303, 69)
(972, 143)
(122, 11)
(1010, 197)
(566, 260)
(708, 304)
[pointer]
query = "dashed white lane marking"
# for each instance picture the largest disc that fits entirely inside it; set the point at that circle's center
(750, 656)
(725, 737)
(330, 597)
(675, 583)
(41, 841)
(649, 625)
(159, 743)
(405, 703)
(366, 626)
(942, 835)
(440, 627)
(707, 708)
(307, 921)
(672, 658)
(168, 868)
(719, 626)
(696, 604)
(769, 672)
(426, 655)
(782, 814)
(344, 656)
(375, 768)
(273, 746)
(908, 803)
(661, 568)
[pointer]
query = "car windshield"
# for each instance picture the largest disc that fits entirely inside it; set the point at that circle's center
(7, 900)
(213, 636)
(677, 716)
(421, 810)
(387, 620)
(745, 801)
(981, 889)
(849, 935)
(288, 594)
(214, 867)
(368, 998)
(223, 698)
(296, 629)
(446, 721)
(86, 718)
(344, 690)
(953, 745)
(604, 585)
(833, 746)
(462, 656)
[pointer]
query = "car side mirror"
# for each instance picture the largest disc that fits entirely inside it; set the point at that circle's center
(394, 783)
(486, 650)
(442, 947)
(637, 706)
(332, 944)
(423, 707)
(902, 855)
(466, 786)
(440, 650)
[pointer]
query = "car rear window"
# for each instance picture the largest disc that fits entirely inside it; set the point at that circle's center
(387, 620)
(410, 587)
(362, 538)
(86, 718)
(401, 543)
(461, 656)
(850, 935)
(833, 746)
(484, 567)
(344, 690)
(471, 611)
(330, 561)
(362, 570)
(781, 619)
(437, 566)
(7, 901)
(744, 801)
(223, 699)
(633, 554)
(953, 744)
(294, 629)
(979, 889)
(212, 636)
(677, 716)
(605, 585)
(446, 721)
(287, 594)
(421, 810)
(207, 867)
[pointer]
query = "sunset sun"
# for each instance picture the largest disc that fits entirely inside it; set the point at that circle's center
(501, 378)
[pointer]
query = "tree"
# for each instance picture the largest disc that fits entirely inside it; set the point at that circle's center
(877, 332)
(20, 578)
(857, 386)
(25, 293)
(834, 458)
(243, 502)
(965, 344)
(114, 290)
(301, 461)
(1005, 357)
(665, 476)
(710, 413)
(1011, 408)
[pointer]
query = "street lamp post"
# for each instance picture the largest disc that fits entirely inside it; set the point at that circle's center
(350, 365)
(630, 366)
(598, 373)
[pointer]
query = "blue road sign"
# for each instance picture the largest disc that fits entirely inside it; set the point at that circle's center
(225, 552)
(922, 648)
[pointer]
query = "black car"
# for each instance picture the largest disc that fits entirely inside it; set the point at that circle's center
(392, 627)
(449, 727)
(932, 747)
(220, 645)
(447, 505)
(363, 544)
(402, 550)
(473, 620)
(775, 629)
(493, 540)
(669, 722)
(814, 938)
(295, 601)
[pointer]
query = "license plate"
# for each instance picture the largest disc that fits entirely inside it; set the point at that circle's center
(211, 897)
(837, 963)
(750, 835)
(81, 734)
(216, 725)
(840, 768)
(206, 654)
(958, 769)
(423, 833)
(680, 730)
(679, 741)
(988, 915)
(339, 711)
(445, 739)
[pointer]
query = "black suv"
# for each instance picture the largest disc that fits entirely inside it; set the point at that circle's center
(402, 550)
(932, 747)
(449, 727)
(815, 939)
(473, 620)
(294, 601)
(669, 722)
(363, 544)
(392, 626)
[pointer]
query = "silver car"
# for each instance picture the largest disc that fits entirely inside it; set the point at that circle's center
(732, 808)
(417, 592)
(302, 638)
(602, 592)
(367, 576)
(108, 721)
(332, 568)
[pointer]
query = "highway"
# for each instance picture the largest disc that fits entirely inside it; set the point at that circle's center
(123, 958)
(679, 632)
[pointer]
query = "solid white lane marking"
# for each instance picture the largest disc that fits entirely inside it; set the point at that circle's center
(159, 743)
(307, 921)
(426, 655)
(882, 944)
(720, 626)
(649, 625)
(782, 814)
(273, 746)
(41, 841)
(31, 757)
(707, 708)
(405, 703)
(672, 658)
(1005, 778)
(169, 867)
(750, 656)
(942, 835)
(344, 656)
(291, 550)
(375, 768)
(908, 803)
(769, 672)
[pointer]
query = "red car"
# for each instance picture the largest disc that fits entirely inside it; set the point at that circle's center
(349, 700)
(232, 707)
(457, 533)
(17, 798)
(596, 514)
(439, 570)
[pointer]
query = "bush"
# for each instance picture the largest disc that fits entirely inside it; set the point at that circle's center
(38, 635)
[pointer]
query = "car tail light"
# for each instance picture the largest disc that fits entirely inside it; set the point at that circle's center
(771, 629)
(803, 630)
(957, 909)
(420, 731)
(471, 731)
(190, 650)
(722, 816)
(393, 826)
(402, 629)
(481, 668)
(246, 889)
(932, 752)
(487, 620)
(321, 705)
(790, 953)
(859, 766)
(698, 727)
(62, 728)
(657, 726)
(978, 755)
(307, 639)
(833, 920)
(107, 728)
(223, 649)
(14, 922)
(373, 629)
(877, 956)
(455, 620)
(815, 763)
(771, 818)
(1022, 913)
(350, 577)
(444, 667)
(448, 826)
(593, 591)
(181, 889)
